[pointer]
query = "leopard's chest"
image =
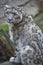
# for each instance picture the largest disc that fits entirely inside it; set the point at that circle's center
(21, 35)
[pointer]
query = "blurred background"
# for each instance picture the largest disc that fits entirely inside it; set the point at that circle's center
(30, 7)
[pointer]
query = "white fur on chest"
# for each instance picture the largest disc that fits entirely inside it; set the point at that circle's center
(11, 34)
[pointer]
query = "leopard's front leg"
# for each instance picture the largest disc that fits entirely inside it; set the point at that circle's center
(16, 59)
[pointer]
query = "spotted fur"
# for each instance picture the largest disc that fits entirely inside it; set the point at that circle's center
(27, 37)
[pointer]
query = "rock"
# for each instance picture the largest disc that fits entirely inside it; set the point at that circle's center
(8, 63)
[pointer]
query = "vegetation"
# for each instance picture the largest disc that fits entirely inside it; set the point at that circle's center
(6, 46)
(4, 27)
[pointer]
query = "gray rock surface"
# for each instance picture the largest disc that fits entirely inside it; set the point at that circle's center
(29, 6)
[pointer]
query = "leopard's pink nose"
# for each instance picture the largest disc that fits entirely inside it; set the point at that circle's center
(9, 20)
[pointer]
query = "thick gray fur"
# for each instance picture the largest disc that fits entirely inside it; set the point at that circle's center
(27, 37)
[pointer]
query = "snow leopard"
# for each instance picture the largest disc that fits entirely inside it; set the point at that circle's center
(26, 36)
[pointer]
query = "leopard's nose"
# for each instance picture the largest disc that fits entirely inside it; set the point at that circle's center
(9, 20)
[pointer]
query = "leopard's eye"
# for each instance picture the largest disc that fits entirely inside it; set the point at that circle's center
(7, 12)
(14, 14)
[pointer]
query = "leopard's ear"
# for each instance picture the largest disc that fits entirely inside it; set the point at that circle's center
(30, 18)
(6, 9)
(7, 6)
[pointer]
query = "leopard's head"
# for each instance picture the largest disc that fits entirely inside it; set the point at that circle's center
(13, 14)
